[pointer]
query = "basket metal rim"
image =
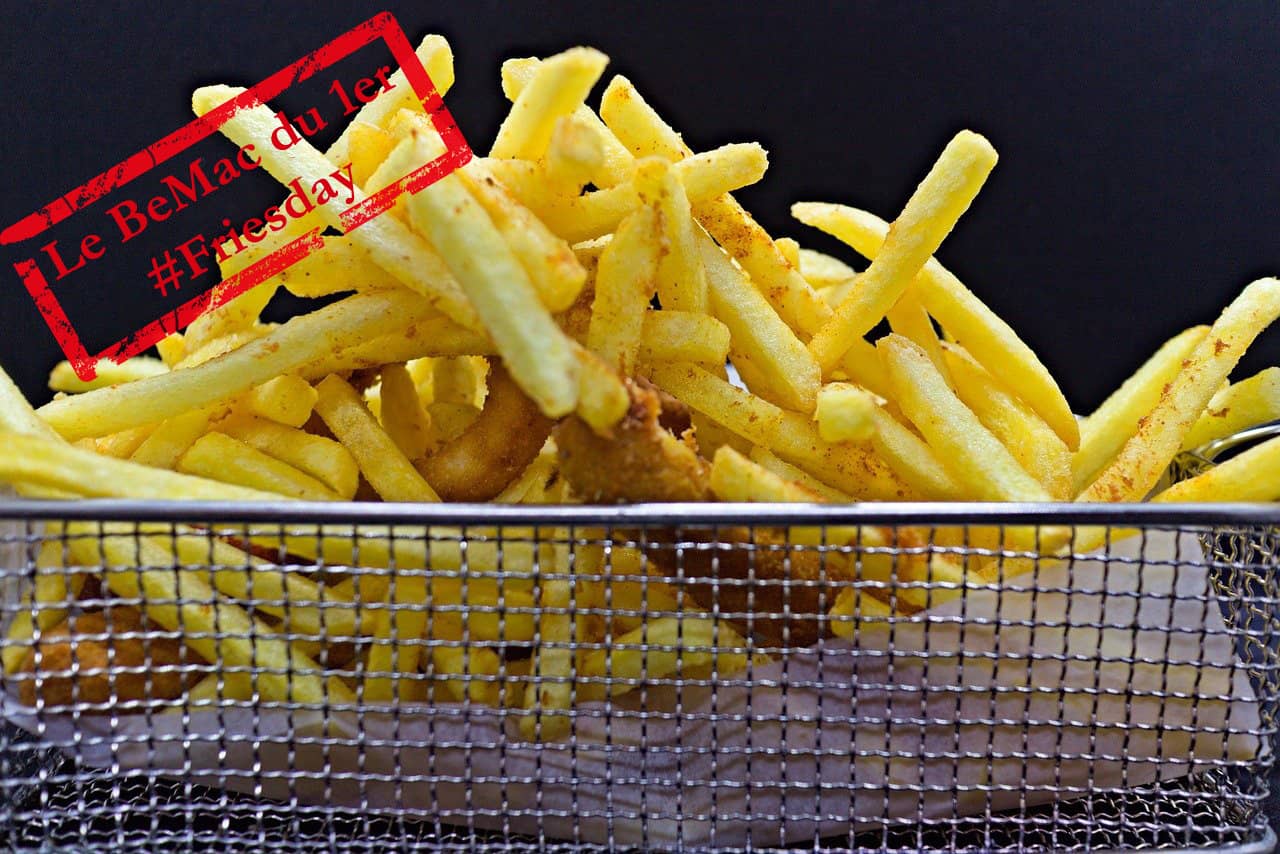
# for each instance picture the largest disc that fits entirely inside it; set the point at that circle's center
(646, 515)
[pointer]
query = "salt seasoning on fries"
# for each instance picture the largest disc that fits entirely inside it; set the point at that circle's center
(571, 303)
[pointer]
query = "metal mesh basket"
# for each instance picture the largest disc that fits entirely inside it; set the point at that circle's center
(1124, 697)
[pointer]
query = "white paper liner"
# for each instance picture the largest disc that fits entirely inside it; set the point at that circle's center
(1063, 728)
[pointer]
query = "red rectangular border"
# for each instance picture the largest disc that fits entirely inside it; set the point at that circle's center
(382, 26)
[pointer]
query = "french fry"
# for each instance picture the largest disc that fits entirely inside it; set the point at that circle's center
(397, 643)
(402, 415)
(305, 339)
(1253, 475)
(220, 632)
(369, 146)
(340, 266)
(536, 351)
(928, 217)
(195, 355)
(552, 267)
(683, 336)
(785, 470)
(427, 334)
(790, 435)
(1031, 441)
(73, 471)
(644, 132)
(913, 460)
(458, 380)
(171, 349)
(759, 336)
(558, 87)
(168, 442)
(637, 125)
(552, 696)
(388, 241)
(216, 456)
(602, 396)
(661, 648)
(63, 378)
(822, 270)
(1137, 469)
(682, 281)
(1241, 405)
(53, 589)
(853, 606)
(844, 413)
(1105, 432)
(909, 319)
(579, 218)
(437, 58)
(121, 445)
(863, 365)
(388, 470)
(625, 283)
(323, 459)
(790, 251)
(963, 316)
(968, 449)
(287, 400)
(574, 155)
(615, 166)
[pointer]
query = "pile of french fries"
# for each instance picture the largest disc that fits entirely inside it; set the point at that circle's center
(590, 250)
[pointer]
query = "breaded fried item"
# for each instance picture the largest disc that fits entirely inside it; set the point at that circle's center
(644, 462)
(640, 462)
(74, 667)
(494, 449)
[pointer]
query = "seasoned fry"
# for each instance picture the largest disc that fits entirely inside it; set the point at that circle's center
(168, 442)
(1031, 441)
(574, 154)
(967, 448)
(625, 283)
(964, 317)
(554, 270)
(1105, 432)
(389, 243)
(52, 464)
(287, 399)
(683, 336)
(930, 214)
(323, 459)
(615, 167)
(1145, 456)
(558, 88)
(217, 456)
(63, 378)
(305, 339)
(388, 470)
(402, 415)
(1253, 475)
(538, 353)
(1241, 405)
(759, 338)
(578, 218)
(844, 413)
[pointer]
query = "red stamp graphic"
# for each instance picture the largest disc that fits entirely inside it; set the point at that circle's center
(109, 211)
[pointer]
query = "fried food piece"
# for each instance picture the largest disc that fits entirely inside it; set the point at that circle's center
(640, 462)
(494, 449)
(644, 462)
(73, 664)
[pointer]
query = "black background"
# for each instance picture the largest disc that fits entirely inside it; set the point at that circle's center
(1138, 188)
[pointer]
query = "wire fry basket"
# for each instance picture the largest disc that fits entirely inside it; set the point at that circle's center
(1123, 696)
